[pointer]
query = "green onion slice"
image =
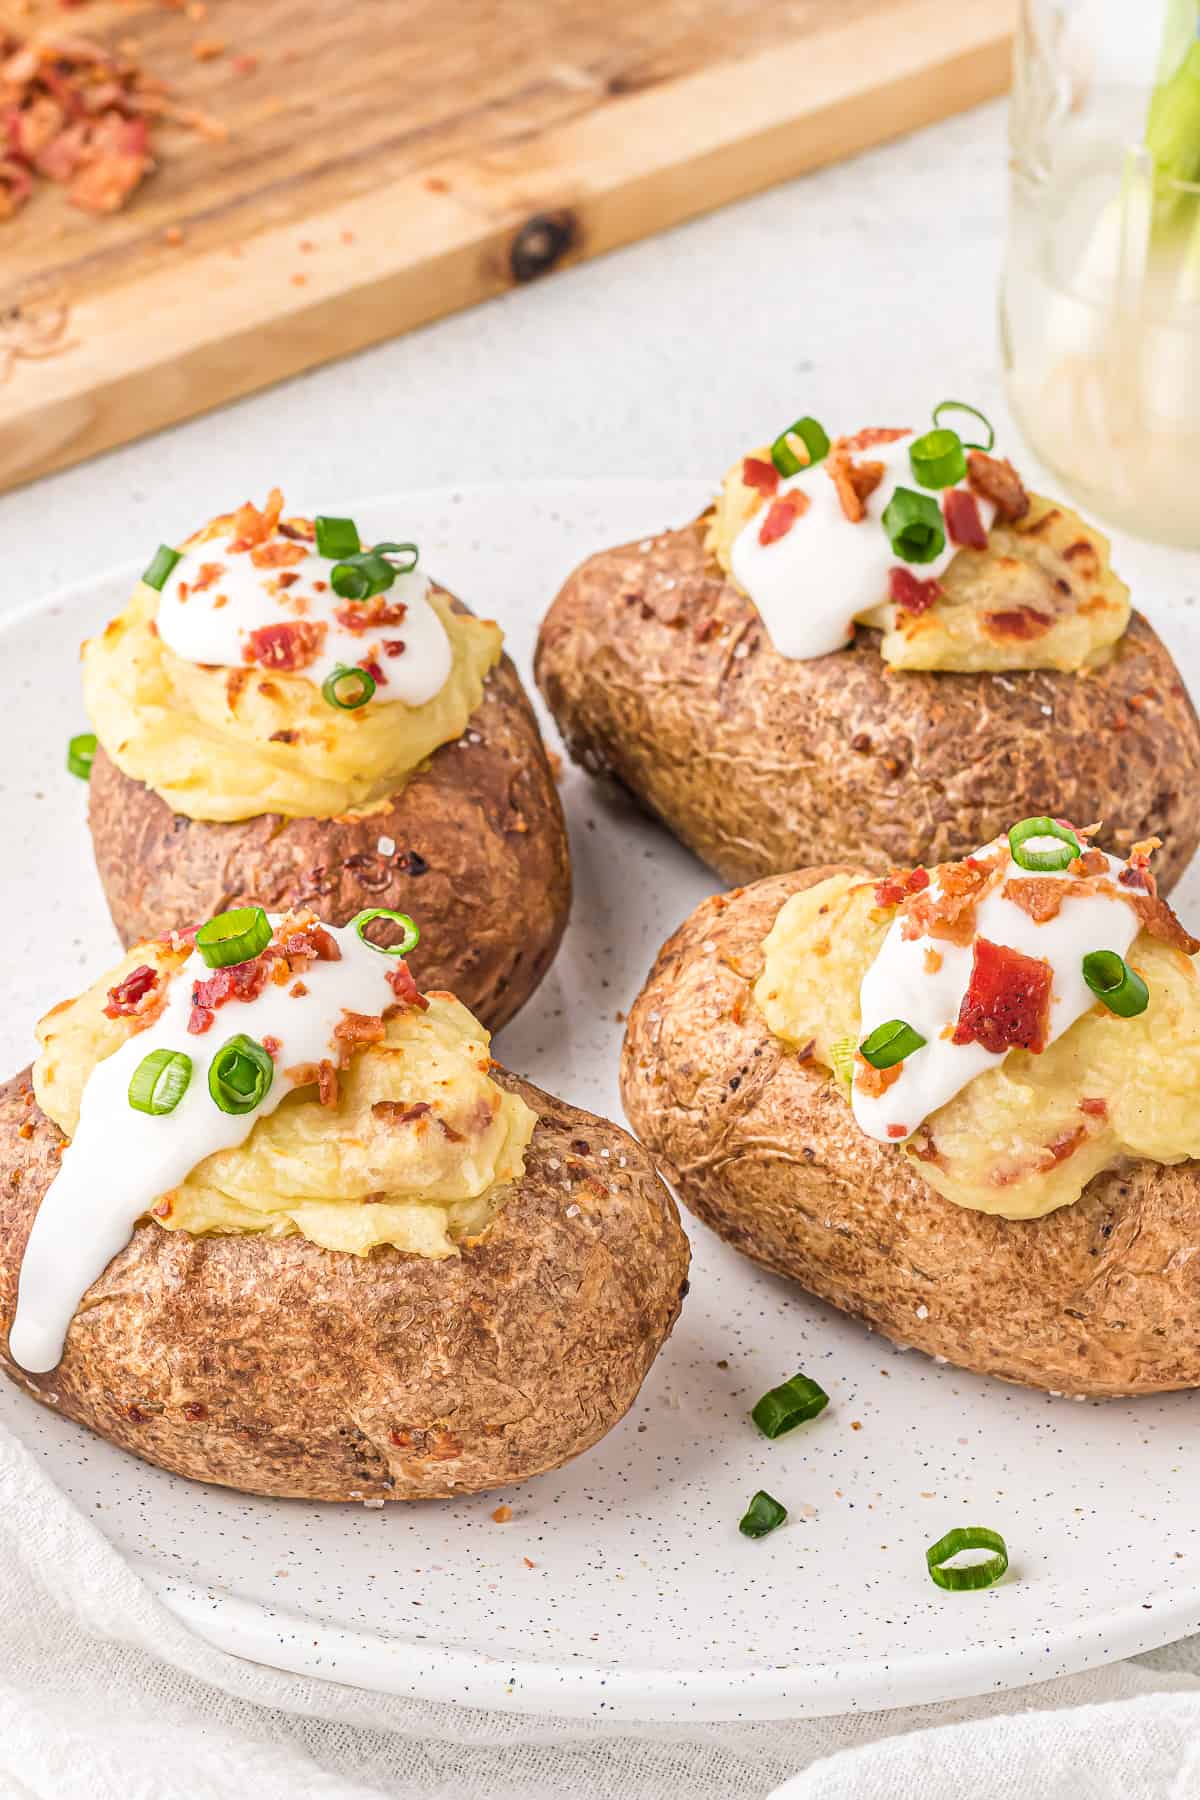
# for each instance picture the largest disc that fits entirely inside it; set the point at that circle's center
(1112, 981)
(337, 537)
(762, 1516)
(890, 1043)
(240, 1075)
(973, 1575)
(234, 937)
(161, 564)
(914, 526)
(938, 459)
(160, 1081)
(371, 572)
(348, 689)
(842, 1052)
(81, 753)
(409, 940)
(792, 1404)
(402, 557)
(1046, 858)
(962, 407)
(814, 438)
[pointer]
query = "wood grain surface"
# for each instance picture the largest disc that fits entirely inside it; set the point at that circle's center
(389, 161)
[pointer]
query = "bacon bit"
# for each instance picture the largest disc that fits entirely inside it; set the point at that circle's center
(165, 1208)
(286, 736)
(1092, 862)
(288, 646)
(194, 1410)
(394, 1112)
(278, 553)
(871, 435)
(1157, 918)
(374, 671)
(393, 646)
(895, 888)
(1083, 551)
(322, 1075)
(245, 64)
(199, 1020)
(272, 1046)
(932, 960)
(925, 1149)
(25, 1129)
(1020, 624)
(251, 527)
(1095, 1109)
(354, 1031)
(1007, 1002)
(131, 996)
(528, 1564)
(782, 515)
(964, 526)
(908, 592)
(760, 475)
(207, 574)
(502, 1515)
(400, 980)
(855, 482)
(950, 914)
(298, 991)
(208, 49)
(370, 615)
(240, 981)
(1136, 873)
(235, 681)
(872, 1081)
(893, 1131)
(998, 482)
(1060, 1148)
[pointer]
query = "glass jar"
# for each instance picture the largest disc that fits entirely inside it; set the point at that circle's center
(1100, 302)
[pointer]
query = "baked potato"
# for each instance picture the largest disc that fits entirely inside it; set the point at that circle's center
(845, 704)
(1039, 1222)
(417, 1276)
(228, 771)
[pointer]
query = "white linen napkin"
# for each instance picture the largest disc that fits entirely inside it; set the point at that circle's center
(104, 1694)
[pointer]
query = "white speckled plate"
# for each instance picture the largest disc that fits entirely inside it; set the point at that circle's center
(621, 1586)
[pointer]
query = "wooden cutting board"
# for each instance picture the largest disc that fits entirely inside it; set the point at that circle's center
(388, 161)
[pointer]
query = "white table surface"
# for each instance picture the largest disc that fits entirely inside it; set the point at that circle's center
(858, 293)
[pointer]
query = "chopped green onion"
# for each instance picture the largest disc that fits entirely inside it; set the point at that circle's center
(81, 753)
(337, 537)
(348, 689)
(409, 939)
(961, 406)
(234, 937)
(842, 1052)
(793, 1403)
(240, 1075)
(762, 1516)
(160, 1081)
(408, 552)
(937, 459)
(1044, 859)
(890, 1043)
(914, 526)
(372, 571)
(973, 1575)
(1112, 981)
(811, 435)
(161, 564)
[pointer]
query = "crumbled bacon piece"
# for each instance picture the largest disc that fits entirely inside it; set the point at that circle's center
(1018, 624)
(908, 592)
(307, 942)
(1156, 917)
(370, 615)
(113, 161)
(781, 515)
(1136, 873)
(872, 1081)
(292, 644)
(998, 481)
(948, 912)
(394, 1112)
(1089, 862)
(1095, 1109)
(760, 475)
(239, 981)
(252, 526)
(393, 646)
(374, 671)
(964, 527)
(855, 482)
(896, 887)
(400, 980)
(1042, 896)
(207, 573)
(897, 1131)
(278, 553)
(272, 1046)
(321, 1075)
(354, 1031)
(872, 435)
(1007, 1002)
(131, 996)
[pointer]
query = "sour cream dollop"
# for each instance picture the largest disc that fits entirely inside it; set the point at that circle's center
(217, 596)
(812, 583)
(121, 1161)
(923, 981)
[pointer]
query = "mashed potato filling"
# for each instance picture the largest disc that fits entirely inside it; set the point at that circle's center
(418, 1151)
(1041, 596)
(227, 744)
(1026, 1137)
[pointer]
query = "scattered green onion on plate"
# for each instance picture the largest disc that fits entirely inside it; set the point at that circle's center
(762, 1516)
(1115, 984)
(968, 1575)
(81, 753)
(793, 1403)
(234, 937)
(160, 1081)
(240, 1075)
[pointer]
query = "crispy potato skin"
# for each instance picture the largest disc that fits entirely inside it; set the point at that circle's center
(480, 862)
(277, 1367)
(1099, 1298)
(659, 672)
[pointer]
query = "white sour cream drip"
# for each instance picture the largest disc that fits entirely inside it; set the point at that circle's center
(899, 985)
(811, 585)
(121, 1161)
(199, 630)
